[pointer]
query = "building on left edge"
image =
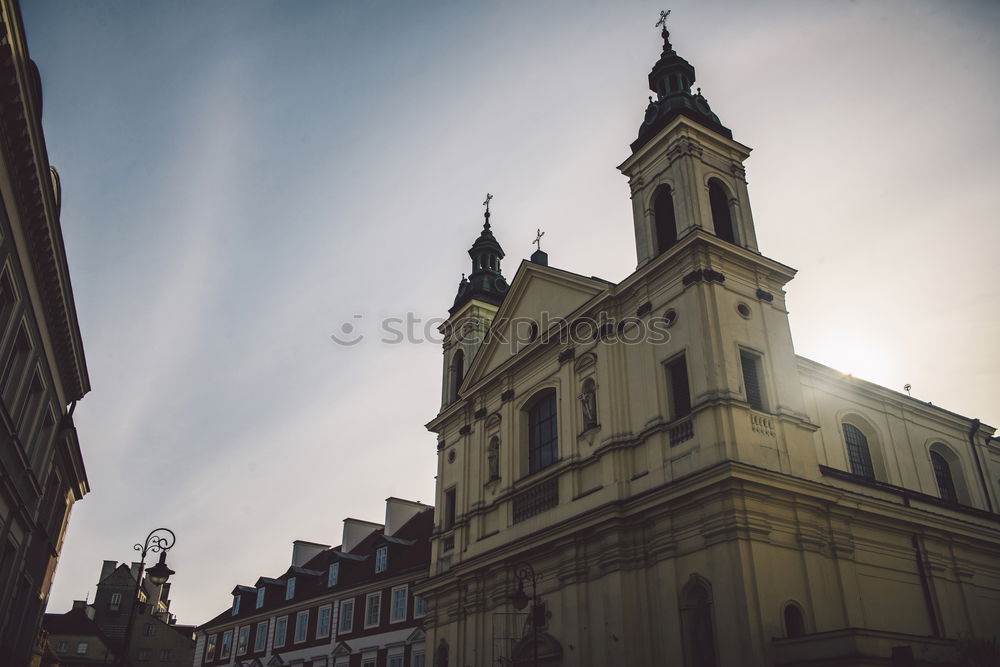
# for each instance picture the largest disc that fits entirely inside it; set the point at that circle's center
(43, 372)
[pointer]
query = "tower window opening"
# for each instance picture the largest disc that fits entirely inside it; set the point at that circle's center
(752, 383)
(664, 219)
(721, 217)
(680, 390)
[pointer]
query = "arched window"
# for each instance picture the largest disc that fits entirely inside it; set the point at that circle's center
(721, 217)
(666, 222)
(588, 403)
(457, 373)
(493, 459)
(698, 633)
(543, 432)
(795, 625)
(945, 482)
(858, 455)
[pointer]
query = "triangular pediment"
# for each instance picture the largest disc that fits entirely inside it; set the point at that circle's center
(539, 296)
(418, 635)
(341, 649)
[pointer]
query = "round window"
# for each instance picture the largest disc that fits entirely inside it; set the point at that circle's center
(743, 310)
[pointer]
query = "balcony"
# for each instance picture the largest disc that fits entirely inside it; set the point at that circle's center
(681, 431)
(536, 499)
(762, 424)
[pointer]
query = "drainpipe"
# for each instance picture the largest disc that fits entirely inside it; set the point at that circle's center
(926, 586)
(979, 466)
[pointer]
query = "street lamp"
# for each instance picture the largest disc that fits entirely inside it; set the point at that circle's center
(524, 572)
(159, 540)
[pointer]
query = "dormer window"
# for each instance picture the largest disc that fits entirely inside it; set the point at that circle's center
(290, 589)
(333, 574)
(260, 597)
(236, 604)
(381, 559)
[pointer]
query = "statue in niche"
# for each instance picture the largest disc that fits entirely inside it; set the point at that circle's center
(588, 401)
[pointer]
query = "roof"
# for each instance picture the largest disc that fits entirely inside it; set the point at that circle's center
(73, 622)
(410, 551)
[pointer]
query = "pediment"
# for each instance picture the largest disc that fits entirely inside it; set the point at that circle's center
(539, 296)
(341, 649)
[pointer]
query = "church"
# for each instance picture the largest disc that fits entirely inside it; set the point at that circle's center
(645, 473)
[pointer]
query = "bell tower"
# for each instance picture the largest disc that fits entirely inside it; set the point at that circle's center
(685, 172)
(732, 373)
(479, 296)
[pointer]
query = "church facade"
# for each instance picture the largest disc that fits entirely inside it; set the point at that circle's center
(645, 472)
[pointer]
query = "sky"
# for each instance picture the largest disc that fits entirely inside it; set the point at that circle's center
(243, 178)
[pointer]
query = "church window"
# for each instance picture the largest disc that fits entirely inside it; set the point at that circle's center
(664, 219)
(543, 432)
(698, 633)
(722, 219)
(680, 390)
(942, 472)
(493, 459)
(588, 403)
(858, 454)
(753, 380)
(449, 509)
(457, 373)
(795, 625)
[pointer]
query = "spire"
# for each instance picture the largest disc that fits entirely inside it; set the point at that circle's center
(486, 282)
(671, 79)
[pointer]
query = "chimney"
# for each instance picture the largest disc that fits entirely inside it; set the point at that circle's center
(87, 609)
(356, 530)
(303, 552)
(107, 567)
(135, 570)
(398, 512)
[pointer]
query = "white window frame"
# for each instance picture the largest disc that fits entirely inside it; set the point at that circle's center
(381, 559)
(259, 645)
(226, 648)
(236, 604)
(419, 606)
(116, 601)
(210, 645)
(84, 646)
(243, 640)
(290, 588)
(62, 647)
(261, 592)
(342, 628)
(377, 597)
(398, 657)
(418, 653)
(333, 574)
(321, 632)
(280, 622)
(301, 622)
(394, 612)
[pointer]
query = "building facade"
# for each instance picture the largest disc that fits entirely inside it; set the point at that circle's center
(686, 489)
(43, 372)
(348, 606)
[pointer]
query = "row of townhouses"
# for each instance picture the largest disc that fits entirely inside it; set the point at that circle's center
(351, 605)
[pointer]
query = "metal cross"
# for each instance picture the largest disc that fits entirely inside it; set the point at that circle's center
(663, 19)
(538, 238)
(487, 202)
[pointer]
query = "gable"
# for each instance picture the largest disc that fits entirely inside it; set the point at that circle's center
(539, 296)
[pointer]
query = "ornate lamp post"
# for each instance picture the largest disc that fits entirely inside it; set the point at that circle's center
(159, 540)
(524, 572)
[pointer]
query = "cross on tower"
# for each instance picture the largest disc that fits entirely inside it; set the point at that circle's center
(487, 202)
(538, 238)
(663, 19)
